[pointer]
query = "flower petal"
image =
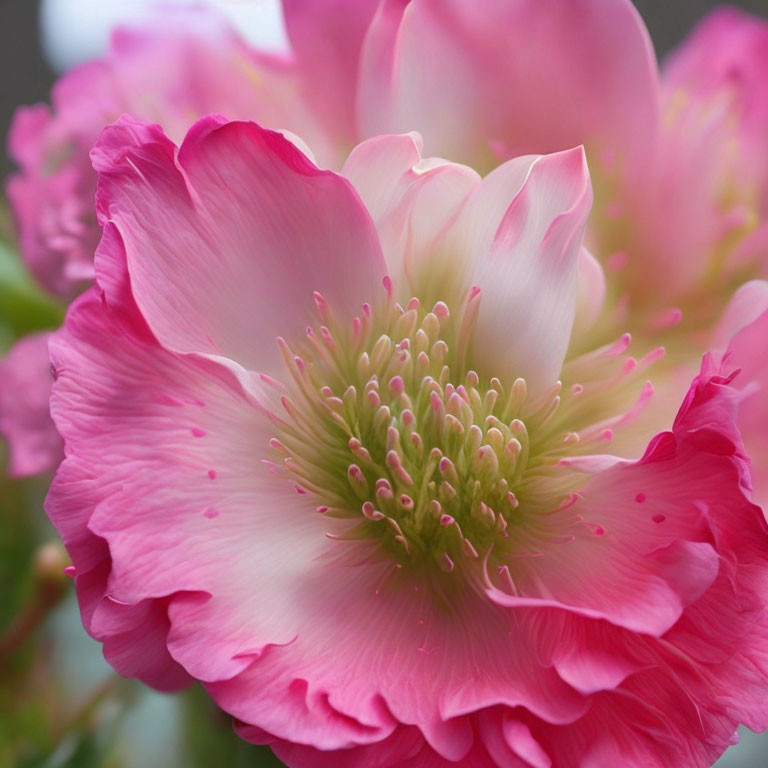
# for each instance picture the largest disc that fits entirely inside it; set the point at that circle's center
(163, 467)
(727, 53)
(226, 242)
(404, 641)
(501, 77)
(746, 305)
(742, 332)
(412, 202)
(590, 294)
(25, 421)
(637, 547)
(524, 256)
(327, 37)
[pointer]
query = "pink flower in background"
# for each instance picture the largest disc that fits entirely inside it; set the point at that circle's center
(172, 73)
(331, 451)
(695, 229)
(25, 374)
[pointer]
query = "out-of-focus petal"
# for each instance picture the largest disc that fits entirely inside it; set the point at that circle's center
(590, 294)
(25, 420)
(747, 304)
(479, 80)
(741, 335)
(327, 37)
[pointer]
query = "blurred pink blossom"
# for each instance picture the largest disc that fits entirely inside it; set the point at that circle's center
(26, 379)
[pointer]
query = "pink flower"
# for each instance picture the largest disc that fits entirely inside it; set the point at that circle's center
(25, 373)
(674, 205)
(695, 228)
(332, 452)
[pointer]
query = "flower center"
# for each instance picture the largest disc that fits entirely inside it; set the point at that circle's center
(390, 428)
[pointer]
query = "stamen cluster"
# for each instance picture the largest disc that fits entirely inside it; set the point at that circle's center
(389, 427)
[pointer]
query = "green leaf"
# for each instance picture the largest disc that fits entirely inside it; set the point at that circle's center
(24, 308)
(210, 739)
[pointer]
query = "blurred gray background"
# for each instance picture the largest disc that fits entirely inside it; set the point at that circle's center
(26, 77)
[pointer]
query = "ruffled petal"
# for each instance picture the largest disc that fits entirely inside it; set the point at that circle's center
(227, 241)
(638, 547)
(298, 692)
(162, 475)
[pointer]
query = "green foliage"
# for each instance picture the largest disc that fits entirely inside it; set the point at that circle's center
(215, 742)
(24, 308)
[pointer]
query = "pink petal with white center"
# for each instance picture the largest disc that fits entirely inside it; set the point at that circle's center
(478, 80)
(327, 37)
(25, 420)
(412, 201)
(227, 239)
(520, 234)
(167, 476)
(379, 170)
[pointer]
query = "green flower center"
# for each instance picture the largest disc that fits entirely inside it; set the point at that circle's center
(390, 428)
